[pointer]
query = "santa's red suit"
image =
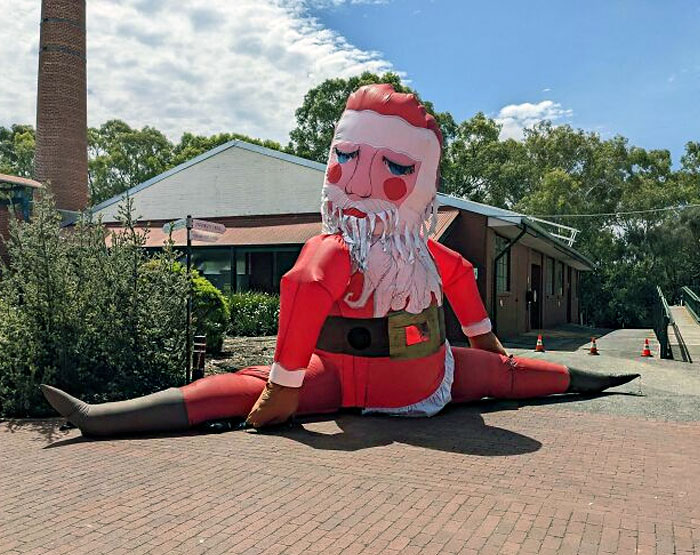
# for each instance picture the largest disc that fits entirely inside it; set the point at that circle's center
(313, 292)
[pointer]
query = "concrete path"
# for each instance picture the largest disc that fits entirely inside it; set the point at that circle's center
(690, 331)
(568, 337)
(667, 389)
(622, 343)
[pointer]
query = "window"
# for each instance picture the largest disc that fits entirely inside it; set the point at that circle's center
(502, 266)
(215, 265)
(559, 286)
(243, 269)
(261, 268)
(549, 282)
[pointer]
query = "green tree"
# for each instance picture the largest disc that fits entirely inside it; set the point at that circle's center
(479, 166)
(192, 145)
(121, 157)
(17, 145)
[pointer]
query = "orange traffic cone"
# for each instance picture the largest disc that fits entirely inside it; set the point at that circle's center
(594, 347)
(539, 348)
(646, 351)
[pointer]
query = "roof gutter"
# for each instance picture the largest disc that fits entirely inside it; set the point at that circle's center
(494, 299)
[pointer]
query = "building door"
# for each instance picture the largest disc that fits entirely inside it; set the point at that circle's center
(260, 268)
(535, 297)
(568, 294)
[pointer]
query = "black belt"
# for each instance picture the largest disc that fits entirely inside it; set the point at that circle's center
(399, 335)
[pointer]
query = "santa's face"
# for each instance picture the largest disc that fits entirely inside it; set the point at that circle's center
(381, 163)
(379, 193)
(364, 171)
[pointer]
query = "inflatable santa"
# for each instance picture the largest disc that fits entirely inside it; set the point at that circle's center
(361, 312)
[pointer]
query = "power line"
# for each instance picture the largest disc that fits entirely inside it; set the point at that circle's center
(625, 213)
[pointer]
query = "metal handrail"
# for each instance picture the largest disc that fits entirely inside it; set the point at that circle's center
(692, 302)
(663, 319)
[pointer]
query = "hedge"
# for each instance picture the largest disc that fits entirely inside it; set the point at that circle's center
(254, 313)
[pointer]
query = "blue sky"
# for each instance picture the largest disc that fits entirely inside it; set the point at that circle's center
(627, 67)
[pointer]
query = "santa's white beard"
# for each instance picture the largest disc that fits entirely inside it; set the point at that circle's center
(390, 248)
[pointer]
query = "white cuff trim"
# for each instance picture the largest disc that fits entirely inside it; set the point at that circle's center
(288, 378)
(479, 328)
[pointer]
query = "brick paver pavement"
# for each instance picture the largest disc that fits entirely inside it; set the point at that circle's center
(532, 480)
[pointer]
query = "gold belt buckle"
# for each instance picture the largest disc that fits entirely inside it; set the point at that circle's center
(414, 335)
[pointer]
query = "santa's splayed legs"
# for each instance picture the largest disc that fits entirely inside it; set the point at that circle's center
(478, 374)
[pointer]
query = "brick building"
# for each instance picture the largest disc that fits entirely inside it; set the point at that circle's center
(269, 202)
(17, 193)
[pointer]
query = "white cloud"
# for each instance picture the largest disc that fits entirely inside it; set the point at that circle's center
(335, 3)
(516, 117)
(209, 66)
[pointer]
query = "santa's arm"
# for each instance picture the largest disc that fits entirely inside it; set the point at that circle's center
(459, 285)
(307, 293)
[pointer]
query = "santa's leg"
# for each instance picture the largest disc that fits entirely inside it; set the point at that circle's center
(481, 374)
(211, 398)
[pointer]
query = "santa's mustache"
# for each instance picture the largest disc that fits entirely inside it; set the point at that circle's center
(339, 210)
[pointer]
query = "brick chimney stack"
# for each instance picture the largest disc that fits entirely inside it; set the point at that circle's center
(61, 121)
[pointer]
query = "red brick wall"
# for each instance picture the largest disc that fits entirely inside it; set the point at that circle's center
(61, 149)
(467, 236)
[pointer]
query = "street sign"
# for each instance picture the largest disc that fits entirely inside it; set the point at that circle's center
(209, 227)
(204, 236)
(174, 226)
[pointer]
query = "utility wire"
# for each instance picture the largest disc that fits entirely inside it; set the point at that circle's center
(629, 212)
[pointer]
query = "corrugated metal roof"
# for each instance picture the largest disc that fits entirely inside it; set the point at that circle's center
(479, 208)
(204, 156)
(16, 180)
(278, 230)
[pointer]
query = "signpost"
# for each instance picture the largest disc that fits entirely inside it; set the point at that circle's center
(203, 236)
(174, 226)
(209, 227)
(197, 230)
(188, 326)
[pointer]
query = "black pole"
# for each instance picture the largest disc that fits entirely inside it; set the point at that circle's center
(188, 326)
(494, 302)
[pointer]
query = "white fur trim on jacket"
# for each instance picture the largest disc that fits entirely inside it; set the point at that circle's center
(288, 378)
(433, 404)
(479, 328)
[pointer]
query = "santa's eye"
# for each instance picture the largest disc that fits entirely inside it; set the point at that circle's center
(399, 169)
(345, 156)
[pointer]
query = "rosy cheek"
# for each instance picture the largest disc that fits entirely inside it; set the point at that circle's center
(394, 188)
(335, 172)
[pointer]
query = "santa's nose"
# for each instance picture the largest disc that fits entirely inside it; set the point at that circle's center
(360, 184)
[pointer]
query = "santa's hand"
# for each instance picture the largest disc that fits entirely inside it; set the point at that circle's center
(275, 405)
(487, 342)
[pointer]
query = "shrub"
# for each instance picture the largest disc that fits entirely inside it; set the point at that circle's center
(97, 322)
(210, 312)
(254, 314)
